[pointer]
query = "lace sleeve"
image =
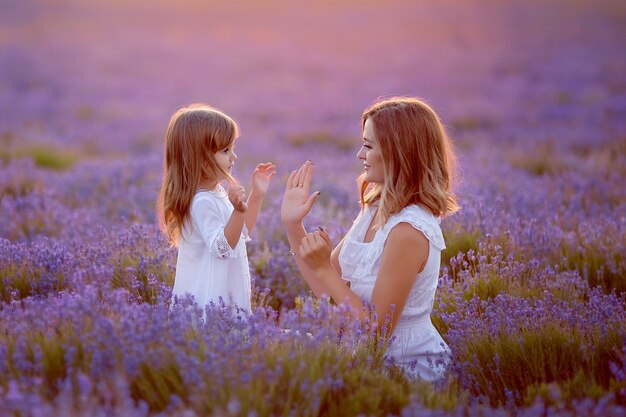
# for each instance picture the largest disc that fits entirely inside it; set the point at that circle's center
(220, 247)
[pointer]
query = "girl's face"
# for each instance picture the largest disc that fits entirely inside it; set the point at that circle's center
(226, 158)
(371, 155)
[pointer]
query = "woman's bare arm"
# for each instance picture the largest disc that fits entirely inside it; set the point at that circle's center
(404, 256)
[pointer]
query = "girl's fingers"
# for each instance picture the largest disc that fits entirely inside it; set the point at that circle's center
(265, 167)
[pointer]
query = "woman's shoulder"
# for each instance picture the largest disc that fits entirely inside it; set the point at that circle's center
(418, 211)
(421, 219)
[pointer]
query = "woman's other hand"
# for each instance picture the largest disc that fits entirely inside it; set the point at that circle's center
(315, 249)
(297, 202)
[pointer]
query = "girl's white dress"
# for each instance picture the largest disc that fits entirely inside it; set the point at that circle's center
(207, 267)
(416, 344)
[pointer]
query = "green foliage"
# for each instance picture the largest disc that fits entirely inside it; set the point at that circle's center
(323, 138)
(142, 275)
(281, 271)
(21, 187)
(156, 383)
(458, 241)
(524, 362)
(447, 397)
(543, 160)
(49, 157)
(21, 279)
(51, 349)
(600, 268)
(469, 123)
(561, 360)
(361, 387)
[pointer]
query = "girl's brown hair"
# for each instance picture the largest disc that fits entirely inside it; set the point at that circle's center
(418, 158)
(194, 134)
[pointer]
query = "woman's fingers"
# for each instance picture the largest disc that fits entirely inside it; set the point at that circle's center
(300, 179)
(296, 180)
(291, 179)
(320, 240)
(305, 246)
(324, 235)
(312, 241)
(308, 175)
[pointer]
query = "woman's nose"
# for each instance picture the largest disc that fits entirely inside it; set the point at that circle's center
(361, 154)
(234, 157)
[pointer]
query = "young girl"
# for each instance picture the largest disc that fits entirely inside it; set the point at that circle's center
(390, 257)
(209, 225)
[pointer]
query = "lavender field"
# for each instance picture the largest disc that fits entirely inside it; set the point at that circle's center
(532, 294)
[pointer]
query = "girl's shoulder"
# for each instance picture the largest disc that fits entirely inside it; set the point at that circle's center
(217, 193)
(213, 197)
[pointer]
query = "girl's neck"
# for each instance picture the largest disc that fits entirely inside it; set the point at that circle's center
(209, 185)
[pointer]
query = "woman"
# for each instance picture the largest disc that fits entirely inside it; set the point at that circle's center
(390, 257)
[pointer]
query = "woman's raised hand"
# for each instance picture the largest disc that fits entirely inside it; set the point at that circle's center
(296, 201)
(237, 196)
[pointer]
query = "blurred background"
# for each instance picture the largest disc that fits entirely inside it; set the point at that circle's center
(533, 94)
(103, 77)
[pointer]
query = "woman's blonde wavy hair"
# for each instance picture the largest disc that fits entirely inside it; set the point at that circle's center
(194, 134)
(418, 159)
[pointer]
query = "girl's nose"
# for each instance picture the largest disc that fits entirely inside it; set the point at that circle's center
(361, 154)
(234, 158)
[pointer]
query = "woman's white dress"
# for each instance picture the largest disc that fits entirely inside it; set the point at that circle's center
(416, 344)
(207, 267)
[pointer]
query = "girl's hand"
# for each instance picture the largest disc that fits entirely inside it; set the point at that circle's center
(296, 201)
(261, 178)
(237, 196)
(315, 250)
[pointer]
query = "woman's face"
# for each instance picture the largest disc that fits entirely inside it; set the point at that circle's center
(371, 155)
